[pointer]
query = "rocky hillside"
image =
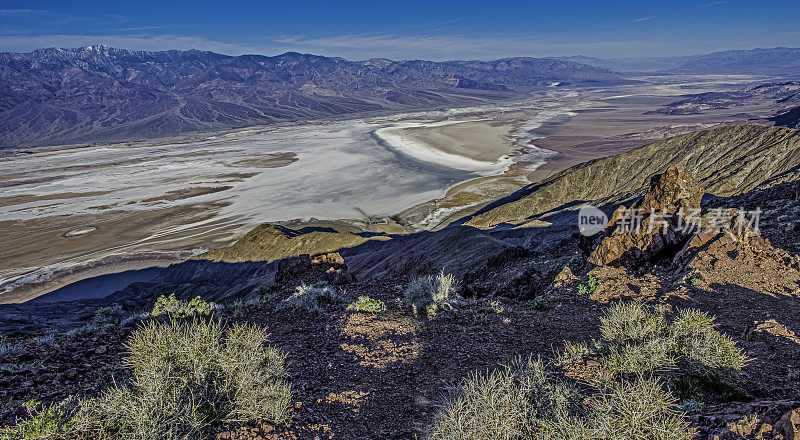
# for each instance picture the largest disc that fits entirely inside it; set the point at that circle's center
(99, 93)
(727, 161)
(716, 313)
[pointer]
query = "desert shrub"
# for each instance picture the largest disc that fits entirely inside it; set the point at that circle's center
(642, 339)
(641, 409)
(515, 401)
(10, 349)
(240, 308)
(366, 304)
(49, 423)
(538, 304)
(641, 357)
(572, 352)
(108, 315)
(632, 323)
(523, 400)
(189, 379)
(172, 307)
(695, 337)
(429, 294)
(496, 306)
(313, 298)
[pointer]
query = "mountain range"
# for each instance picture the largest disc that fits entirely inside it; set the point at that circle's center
(104, 94)
(781, 61)
(100, 93)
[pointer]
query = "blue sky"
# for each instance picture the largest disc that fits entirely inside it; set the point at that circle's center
(406, 29)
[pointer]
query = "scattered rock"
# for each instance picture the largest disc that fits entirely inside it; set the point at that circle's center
(328, 267)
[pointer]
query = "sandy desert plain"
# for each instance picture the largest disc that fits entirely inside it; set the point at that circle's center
(76, 212)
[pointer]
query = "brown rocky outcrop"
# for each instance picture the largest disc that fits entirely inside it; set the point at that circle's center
(655, 224)
(723, 230)
(667, 223)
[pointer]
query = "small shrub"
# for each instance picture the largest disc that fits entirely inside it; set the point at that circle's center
(696, 338)
(189, 379)
(641, 409)
(10, 349)
(313, 298)
(428, 294)
(572, 352)
(632, 323)
(650, 355)
(366, 304)
(49, 423)
(640, 339)
(172, 307)
(108, 315)
(589, 287)
(239, 308)
(269, 291)
(524, 401)
(691, 406)
(497, 306)
(515, 401)
(538, 304)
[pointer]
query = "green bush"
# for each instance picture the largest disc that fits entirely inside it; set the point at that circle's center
(49, 423)
(572, 352)
(108, 315)
(695, 337)
(313, 298)
(366, 304)
(641, 409)
(632, 323)
(641, 339)
(189, 380)
(589, 287)
(430, 294)
(173, 307)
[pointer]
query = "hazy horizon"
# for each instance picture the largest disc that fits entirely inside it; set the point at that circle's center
(397, 59)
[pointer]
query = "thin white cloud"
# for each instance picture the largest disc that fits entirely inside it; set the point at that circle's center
(639, 20)
(140, 28)
(451, 46)
(716, 3)
(16, 12)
